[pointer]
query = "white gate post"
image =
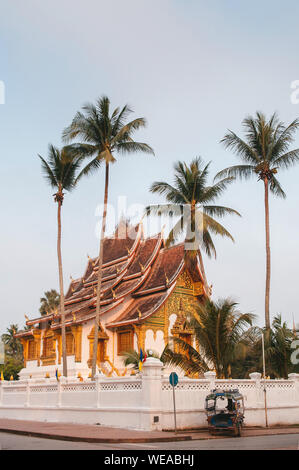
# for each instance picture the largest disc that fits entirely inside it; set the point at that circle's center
(98, 394)
(256, 377)
(151, 394)
(59, 393)
(1, 392)
(211, 377)
(295, 379)
(27, 403)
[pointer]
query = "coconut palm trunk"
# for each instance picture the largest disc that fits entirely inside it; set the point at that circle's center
(203, 272)
(268, 255)
(64, 358)
(198, 251)
(99, 284)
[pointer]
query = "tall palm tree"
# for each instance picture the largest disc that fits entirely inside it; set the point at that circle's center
(220, 330)
(49, 302)
(190, 191)
(103, 134)
(263, 152)
(60, 170)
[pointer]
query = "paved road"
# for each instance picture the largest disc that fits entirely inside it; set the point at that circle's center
(286, 441)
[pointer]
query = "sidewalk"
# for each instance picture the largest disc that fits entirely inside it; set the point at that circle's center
(87, 432)
(101, 434)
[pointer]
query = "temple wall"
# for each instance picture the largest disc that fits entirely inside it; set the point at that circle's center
(145, 401)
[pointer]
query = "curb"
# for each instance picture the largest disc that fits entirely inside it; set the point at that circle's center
(95, 440)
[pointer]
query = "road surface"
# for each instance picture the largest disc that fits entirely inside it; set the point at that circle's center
(283, 442)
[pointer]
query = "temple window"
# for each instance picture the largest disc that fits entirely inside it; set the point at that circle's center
(124, 341)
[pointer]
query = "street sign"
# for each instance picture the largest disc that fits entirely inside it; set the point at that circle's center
(173, 380)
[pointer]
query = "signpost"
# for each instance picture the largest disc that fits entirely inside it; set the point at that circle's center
(173, 380)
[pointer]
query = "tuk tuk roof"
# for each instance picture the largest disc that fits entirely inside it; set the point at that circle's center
(232, 394)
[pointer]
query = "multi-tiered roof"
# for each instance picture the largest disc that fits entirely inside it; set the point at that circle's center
(139, 274)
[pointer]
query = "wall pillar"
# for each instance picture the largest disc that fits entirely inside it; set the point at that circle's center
(295, 379)
(1, 392)
(27, 403)
(211, 376)
(151, 416)
(98, 390)
(260, 398)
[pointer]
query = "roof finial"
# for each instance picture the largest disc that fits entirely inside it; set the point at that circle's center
(166, 278)
(141, 267)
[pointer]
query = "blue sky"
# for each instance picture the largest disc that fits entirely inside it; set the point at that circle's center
(193, 69)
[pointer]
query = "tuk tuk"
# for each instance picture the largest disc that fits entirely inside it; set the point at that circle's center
(225, 411)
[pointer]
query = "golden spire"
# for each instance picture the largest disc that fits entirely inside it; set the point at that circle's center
(139, 313)
(113, 293)
(74, 317)
(27, 319)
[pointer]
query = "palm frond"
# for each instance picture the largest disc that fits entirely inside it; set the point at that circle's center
(276, 189)
(220, 211)
(236, 171)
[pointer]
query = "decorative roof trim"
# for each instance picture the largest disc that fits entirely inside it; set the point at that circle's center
(138, 320)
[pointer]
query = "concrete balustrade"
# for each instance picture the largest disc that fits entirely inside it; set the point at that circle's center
(144, 401)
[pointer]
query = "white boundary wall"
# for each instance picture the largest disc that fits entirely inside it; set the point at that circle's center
(144, 402)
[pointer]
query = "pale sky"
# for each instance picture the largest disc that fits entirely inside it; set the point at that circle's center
(193, 69)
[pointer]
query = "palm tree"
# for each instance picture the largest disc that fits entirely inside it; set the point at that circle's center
(60, 170)
(263, 152)
(49, 302)
(190, 191)
(278, 350)
(103, 136)
(13, 345)
(220, 330)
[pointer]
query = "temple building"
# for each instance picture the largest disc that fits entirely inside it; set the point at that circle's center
(147, 291)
